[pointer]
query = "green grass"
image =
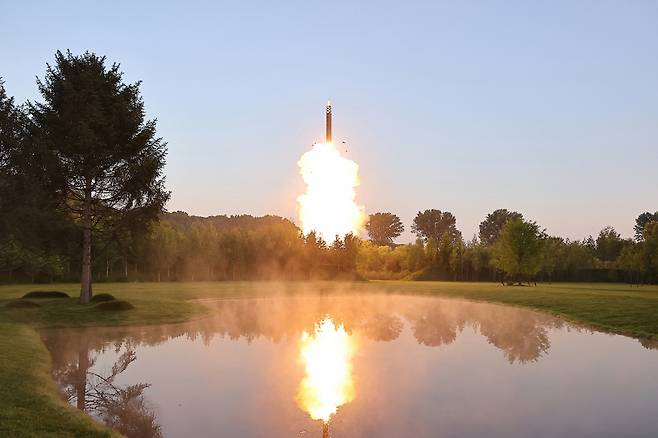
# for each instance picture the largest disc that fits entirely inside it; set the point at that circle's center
(29, 402)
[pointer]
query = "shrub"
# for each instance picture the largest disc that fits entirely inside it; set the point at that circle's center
(101, 298)
(46, 294)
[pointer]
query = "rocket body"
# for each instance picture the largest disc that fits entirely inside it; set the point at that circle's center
(328, 124)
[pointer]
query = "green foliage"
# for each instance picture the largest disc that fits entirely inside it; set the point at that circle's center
(416, 257)
(641, 222)
(183, 247)
(384, 262)
(30, 227)
(478, 258)
(650, 247)
(382, 228)
(608, 244)
(106, 154)
(10, 128)
(492, 225)
(633, 261)
(347, 259)
(518, 250)
(14, 256)
(433, 224)
(553, 256)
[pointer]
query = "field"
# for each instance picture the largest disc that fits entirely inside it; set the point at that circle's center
(29, 403)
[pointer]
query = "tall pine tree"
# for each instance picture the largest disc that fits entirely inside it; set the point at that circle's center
(107, 154)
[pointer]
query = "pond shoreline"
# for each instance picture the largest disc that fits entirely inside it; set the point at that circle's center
(29, 401)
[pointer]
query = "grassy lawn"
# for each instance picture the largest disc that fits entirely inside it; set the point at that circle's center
(29, 402)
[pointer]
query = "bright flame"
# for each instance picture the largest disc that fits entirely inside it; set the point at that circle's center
(328, 206)
(327, 358)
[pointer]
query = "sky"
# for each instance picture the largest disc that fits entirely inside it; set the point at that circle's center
(546, 108)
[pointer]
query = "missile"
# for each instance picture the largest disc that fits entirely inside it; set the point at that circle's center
(328, 125)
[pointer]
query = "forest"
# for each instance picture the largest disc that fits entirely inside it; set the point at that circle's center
(181, 247)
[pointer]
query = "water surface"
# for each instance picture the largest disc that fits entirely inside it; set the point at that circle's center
(375, 365)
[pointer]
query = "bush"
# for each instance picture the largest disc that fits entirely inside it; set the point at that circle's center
(102, 298)
(114, 306)
(46, 294)
(22, 304)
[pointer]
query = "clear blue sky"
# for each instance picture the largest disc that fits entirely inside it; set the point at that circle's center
(548, 108)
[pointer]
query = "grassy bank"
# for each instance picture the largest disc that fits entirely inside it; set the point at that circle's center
(29, 403)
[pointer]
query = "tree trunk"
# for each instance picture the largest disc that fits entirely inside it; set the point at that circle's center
(85, 278)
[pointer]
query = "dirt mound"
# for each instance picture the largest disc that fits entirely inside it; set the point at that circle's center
(46, 294)
(102, 298)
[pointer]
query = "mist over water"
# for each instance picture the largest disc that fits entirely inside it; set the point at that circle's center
(420, 367)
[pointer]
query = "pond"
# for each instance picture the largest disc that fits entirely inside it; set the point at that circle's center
(360, 366)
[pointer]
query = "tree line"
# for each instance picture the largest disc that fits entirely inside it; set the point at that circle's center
(82, 196)
(508, 248)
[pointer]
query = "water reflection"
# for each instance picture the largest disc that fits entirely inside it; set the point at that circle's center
(251, 364)
(327, 358)
(121, 407)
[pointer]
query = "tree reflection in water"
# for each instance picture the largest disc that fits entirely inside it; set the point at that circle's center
(121, 407)
(521, 335)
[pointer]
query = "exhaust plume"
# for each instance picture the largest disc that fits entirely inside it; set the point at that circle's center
(328, 206)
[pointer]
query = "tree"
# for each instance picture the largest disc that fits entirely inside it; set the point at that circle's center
(492, 225)
(315, 250)
(416, 258)
(433, 224)
(518, 250)
(641, 222)
(163, 245)
(651, 248)
(350, 253)
(456, 261)
(29, 215)
(9, 144)
(579, 256)
(9, 126)
(553, 256)
(479, 257)
(9, 139)
(382, 228)
(632, 261)
(107, 153)
(608, 244)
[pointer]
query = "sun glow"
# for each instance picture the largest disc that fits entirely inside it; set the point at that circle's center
(327, 359)
(328, 206)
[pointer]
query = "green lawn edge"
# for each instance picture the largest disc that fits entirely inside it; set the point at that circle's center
(30, 405)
